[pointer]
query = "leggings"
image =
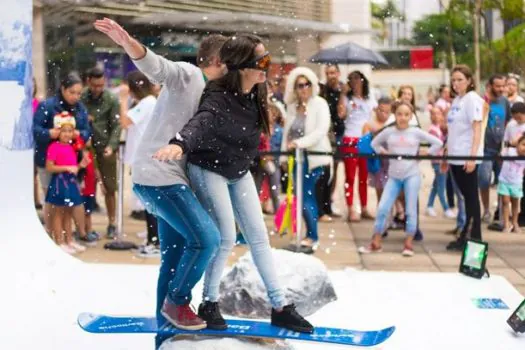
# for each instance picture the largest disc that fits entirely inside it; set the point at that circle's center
(468, 185)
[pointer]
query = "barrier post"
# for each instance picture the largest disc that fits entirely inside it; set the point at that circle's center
(118, 243)
(298, 187)
(299, 161)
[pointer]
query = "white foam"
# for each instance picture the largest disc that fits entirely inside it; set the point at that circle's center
(43, 291)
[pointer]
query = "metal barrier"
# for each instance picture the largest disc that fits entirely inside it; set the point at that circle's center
(118, 243)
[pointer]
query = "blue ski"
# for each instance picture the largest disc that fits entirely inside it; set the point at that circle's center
(94, 323)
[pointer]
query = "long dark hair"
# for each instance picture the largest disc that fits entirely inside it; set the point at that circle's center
(139, 85)
(237, 51)
(364, 81)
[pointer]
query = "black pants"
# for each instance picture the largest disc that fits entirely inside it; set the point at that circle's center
(151, 226)
(323, 193)
(450, 193)
(468, 185)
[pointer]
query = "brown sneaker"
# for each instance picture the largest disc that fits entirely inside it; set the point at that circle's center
(365, 215)
(182, 316)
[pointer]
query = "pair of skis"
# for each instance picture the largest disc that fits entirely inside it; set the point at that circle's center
(96, 323)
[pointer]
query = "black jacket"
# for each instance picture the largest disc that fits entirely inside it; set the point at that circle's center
(332, 97)
(223, 136)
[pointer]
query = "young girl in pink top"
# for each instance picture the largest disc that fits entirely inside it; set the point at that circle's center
(64, 192)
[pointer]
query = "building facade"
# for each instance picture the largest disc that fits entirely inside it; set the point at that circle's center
(64, 38)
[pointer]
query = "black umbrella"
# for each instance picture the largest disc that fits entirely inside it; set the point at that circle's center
(349, 53)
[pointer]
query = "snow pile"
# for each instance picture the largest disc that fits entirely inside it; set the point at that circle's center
(304, 277)
(210, 343)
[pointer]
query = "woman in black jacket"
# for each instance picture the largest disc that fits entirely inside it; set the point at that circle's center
(221, 141)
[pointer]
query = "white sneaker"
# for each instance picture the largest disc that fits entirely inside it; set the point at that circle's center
(77, 247)
(67, 249)
(142, 234)
(449, 213)
(431, 212)
(335, 211)
(486, 217)
(149, 251)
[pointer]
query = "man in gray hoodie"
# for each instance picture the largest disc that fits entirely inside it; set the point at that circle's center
(188, 236)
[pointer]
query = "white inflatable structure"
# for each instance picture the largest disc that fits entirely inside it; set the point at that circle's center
(43, 290)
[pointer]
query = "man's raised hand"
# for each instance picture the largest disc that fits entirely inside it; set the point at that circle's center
(113, 30)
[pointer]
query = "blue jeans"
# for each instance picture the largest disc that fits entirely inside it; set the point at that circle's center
(393, 187)
(310, 209)
(461, 219)
(485, 172)
(188, 239)
(439, 187)
(228, 201)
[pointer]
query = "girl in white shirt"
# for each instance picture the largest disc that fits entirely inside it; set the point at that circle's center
(134, 121)
(406, 94)
(356, 106)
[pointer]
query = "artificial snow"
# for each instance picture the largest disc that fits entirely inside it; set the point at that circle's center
(209, 343)
(431, 311)
(304, 278)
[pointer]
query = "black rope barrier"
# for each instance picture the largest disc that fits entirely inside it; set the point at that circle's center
(339, 155)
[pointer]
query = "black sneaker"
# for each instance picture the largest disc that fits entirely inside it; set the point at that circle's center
(496, 226)
(385, 234)
(418, 237)
(90, 239)
(454, 232)
(290, 319)
(138, 215)
(210, 312)
(457, 245)
(112, 232)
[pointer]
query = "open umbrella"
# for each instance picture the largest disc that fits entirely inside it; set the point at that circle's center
(349, 53)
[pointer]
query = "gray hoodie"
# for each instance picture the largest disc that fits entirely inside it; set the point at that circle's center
(404, 142)
(182, 86)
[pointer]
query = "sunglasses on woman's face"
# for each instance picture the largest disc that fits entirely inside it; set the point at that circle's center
(262, 62)
(301, 86)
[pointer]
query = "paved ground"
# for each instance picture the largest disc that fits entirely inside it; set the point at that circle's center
(339, 243)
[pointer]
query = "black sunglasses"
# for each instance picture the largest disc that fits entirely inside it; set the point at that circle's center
(303, 85)
(262, 62)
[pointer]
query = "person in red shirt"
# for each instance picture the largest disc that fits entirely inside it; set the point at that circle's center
(88, 191)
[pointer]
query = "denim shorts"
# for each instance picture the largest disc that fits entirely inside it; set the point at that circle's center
(485, 174)
(513, 191)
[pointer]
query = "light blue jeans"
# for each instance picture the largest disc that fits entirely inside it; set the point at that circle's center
(461, 219)
(439, 187)
(229, 201)
(393, 187)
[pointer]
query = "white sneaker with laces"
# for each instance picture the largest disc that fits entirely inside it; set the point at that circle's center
(431, 212)
(149, 251)
(77, 247)
(449, 213)
(67, 249)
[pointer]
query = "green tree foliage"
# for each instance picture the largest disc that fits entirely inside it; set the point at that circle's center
(446, 33)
